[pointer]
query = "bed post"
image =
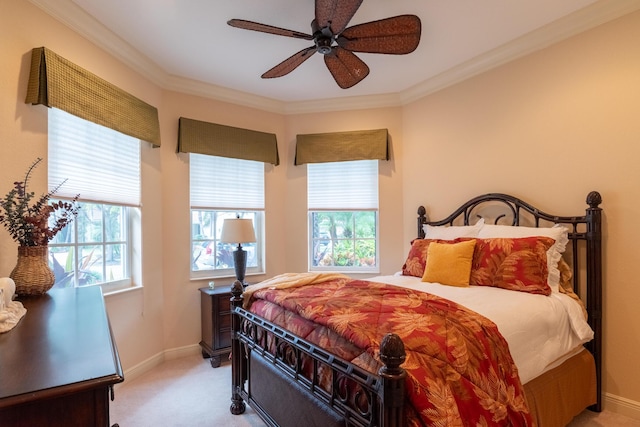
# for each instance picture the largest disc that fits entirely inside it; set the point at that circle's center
(238, 361)
(393, 378)
(594, 287)
(422, 218)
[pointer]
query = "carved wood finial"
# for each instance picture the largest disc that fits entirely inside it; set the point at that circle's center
(594, 199)
(237, 289)
(392, 352)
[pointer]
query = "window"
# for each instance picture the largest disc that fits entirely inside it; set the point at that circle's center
(95, 244)
(103, 166)
(220, 188)
(342, 199)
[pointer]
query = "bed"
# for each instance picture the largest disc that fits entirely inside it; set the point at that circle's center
(322, 365)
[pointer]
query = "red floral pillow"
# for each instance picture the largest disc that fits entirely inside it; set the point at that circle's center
(518, 264)
(417, 258)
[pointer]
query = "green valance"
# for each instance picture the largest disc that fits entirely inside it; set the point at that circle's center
(342, 146)
(57, 82)
(195, 136)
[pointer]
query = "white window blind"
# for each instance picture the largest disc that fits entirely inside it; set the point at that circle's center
(226, 183)
(99, 163)
(343, 185)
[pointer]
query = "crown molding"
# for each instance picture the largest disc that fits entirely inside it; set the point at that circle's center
(347, 103)
(220, 93)
(600, 12)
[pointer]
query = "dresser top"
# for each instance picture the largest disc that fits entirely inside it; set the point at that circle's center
(63, 343)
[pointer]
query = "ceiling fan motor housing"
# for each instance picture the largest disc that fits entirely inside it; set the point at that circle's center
(322, 37)
(323, 45)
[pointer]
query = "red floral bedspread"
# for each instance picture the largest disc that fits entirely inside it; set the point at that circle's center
(459, 369)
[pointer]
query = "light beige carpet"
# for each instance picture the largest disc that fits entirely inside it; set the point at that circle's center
(184, 392)
(189, 392)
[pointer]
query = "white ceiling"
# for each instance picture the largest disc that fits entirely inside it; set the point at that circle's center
(186, 45)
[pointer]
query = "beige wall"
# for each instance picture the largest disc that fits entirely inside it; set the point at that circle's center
(549, 127)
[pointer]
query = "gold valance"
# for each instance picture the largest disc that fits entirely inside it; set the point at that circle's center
(342, 146)
(196, 136)
(57, 82)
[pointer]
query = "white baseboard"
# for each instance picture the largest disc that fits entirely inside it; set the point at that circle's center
(157, 359)
(620, 405)
(176, 353)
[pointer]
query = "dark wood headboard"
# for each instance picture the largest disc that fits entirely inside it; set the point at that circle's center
(584, 252)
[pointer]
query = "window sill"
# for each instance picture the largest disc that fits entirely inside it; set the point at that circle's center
(231, 277)
(118, 291)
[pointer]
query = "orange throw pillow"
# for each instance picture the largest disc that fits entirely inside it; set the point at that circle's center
(449, 264)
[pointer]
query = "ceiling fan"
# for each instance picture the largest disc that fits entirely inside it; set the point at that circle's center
(398, 35)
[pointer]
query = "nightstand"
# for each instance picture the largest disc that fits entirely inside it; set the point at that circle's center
(215, 312)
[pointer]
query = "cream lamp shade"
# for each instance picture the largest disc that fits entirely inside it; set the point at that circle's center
(238, 230)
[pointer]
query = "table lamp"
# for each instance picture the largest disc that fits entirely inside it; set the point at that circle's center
(238, 230)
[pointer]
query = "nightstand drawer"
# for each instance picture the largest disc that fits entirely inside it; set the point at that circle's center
(225, 337)
(224, 303)
(224, 313)
(224, 320)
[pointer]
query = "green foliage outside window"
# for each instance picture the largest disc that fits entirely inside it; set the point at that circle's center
(344, 239)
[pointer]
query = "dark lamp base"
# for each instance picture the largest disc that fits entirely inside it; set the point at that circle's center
(240, 264)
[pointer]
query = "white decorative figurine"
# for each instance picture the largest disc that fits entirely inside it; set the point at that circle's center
(10, 311)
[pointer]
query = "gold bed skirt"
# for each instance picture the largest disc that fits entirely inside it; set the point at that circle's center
(560, 394)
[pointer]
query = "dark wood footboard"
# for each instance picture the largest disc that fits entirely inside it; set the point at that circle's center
(267, 373)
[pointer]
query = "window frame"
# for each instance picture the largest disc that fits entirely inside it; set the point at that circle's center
(76, 245)
(219, 273)
(344, 269)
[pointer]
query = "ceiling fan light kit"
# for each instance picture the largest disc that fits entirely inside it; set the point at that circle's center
(397, 35)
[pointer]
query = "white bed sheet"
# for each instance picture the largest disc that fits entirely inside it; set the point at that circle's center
(542, 331)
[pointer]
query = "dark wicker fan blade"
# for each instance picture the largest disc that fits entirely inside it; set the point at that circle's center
(290, 64)
(345, 67)
(338, 13)
(398, 35)
(263, 28)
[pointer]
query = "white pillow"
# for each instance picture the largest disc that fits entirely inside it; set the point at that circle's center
(451, 232)
(558, 232)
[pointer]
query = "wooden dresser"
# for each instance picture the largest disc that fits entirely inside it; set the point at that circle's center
(58, 365)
